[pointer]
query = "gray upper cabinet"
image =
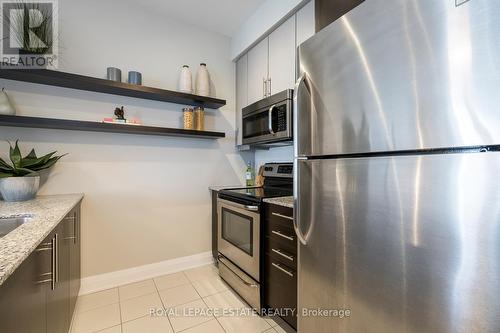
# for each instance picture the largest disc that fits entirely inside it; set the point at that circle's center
(305, 23)
(305, 26)
(282, 57)
(241, 93)
(258, 65)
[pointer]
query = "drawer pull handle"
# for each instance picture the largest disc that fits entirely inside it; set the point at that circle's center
(282, 269)
(283, 216)
(44, 281)
(282, 235)
(42, 249)
(289, 257)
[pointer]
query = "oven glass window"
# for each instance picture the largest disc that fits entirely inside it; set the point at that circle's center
(256, 125)
(237, 229)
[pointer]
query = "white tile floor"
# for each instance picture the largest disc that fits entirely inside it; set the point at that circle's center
(180, 299)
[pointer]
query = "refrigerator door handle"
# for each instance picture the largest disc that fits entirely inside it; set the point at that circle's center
(301, 118)
(296, 211)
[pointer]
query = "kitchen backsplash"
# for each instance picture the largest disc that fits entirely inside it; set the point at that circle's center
(278, 154)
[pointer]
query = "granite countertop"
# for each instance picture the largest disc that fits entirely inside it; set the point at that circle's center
(282, 201)
(47, 212)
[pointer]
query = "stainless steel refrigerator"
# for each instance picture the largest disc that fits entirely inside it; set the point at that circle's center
(397, 196)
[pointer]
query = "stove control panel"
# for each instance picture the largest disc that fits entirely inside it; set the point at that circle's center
(280, 170)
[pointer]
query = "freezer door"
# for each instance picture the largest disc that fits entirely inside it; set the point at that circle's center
(405, 244)
(401, 75)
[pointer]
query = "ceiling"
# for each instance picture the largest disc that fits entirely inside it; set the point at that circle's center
(221, 16)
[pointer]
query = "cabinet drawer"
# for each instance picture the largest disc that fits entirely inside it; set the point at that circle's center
(281, 289)
(279, 213)
(282, 255)
(285, 237)
(279, 219)
(280, 244)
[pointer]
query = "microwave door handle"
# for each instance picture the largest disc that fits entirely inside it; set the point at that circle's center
(270, 116)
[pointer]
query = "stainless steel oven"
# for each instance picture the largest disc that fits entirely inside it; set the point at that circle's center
(239, 248)
(239, 212)
(239, 235)
(269, 121)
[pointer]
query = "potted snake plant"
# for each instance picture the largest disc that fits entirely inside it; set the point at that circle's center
(20, 180)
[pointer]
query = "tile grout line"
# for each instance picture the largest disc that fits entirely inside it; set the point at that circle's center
(208, 307)
(95, 308)
(184, 330)
(216, 319)
(164, 307)
(120, 309)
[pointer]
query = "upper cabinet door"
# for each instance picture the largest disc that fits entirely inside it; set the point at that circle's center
(305, 27)
(305, 23)
(282, 57)
(241, 94)
(257, 71)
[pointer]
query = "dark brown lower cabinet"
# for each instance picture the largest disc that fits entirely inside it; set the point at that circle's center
(58, 319)
(74, 258)
(22, 298)
(40, 295)
(280, 263)
(215, 250)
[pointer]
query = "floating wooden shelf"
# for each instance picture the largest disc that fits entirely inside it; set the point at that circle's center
(78, 125)
(81, 82)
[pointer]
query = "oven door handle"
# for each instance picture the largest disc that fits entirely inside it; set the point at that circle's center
(252, 208)
(227, 203)
(270, 123)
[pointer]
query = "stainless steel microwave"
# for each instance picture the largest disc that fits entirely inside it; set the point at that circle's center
(269, 121)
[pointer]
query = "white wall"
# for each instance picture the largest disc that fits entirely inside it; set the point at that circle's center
(147, 198)
(278, 154)
(267, 17)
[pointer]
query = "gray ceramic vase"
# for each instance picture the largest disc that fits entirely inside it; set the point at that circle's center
(114, 74)
(15, 189)
(135, 78)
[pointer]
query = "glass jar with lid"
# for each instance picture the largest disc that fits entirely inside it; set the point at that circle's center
(199, 118)
(188, 118)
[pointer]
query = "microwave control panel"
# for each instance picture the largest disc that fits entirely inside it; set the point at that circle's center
(280, 118)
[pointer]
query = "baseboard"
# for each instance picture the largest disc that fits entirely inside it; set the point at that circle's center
(110, 280)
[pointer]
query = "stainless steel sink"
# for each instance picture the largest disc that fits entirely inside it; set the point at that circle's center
(9, 223)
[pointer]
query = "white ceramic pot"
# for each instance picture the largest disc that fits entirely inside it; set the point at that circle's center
(14, 189)
(6, 107)
(203, 81)
(186, 80)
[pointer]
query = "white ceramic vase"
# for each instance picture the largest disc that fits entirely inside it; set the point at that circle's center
(15, 189)
(6, 107)
(186, 80)
(203, 81)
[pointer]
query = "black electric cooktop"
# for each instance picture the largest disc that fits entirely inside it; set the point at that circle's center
(258, 193)
(278, 182)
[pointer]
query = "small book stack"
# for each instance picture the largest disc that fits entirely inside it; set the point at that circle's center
(121, 121)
